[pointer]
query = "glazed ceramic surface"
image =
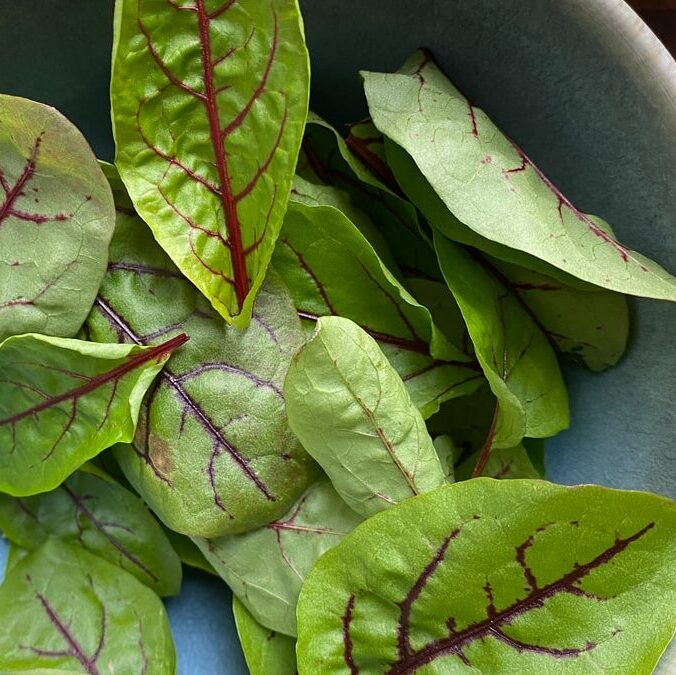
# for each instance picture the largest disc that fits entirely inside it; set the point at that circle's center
(582, 85)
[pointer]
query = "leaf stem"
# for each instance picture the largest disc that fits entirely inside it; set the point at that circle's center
(488, 444)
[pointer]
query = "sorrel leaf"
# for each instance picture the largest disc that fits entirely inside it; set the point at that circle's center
(62, 608)
(584, 321)
(496, 576)
(518, 361)
(266, 652)
(447, 453)
(213, 452)
(56, 221)
(188, 552)
(352, 413)
(327, 160)
(62, 401)
(90, 511)
(502, 463)
(491, 185)
(266, 568)
(208, 123)
(331, 269)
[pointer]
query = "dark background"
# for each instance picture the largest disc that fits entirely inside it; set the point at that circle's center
(660, 15)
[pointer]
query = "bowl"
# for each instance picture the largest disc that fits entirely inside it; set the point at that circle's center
(584, 87)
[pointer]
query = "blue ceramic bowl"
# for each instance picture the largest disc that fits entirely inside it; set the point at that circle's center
(584, 87)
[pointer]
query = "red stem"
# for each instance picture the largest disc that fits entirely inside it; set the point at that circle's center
(98, 381)
(488, 445)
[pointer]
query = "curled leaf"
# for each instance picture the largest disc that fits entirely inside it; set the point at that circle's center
(586, 322)
(62, 608)
(496, 576)
(213, 452)
(518, 361)
(491, 185)
(209, 102)
(91, 511)
(56, 221)
(266, 567)
(331, 269)
(62, 401)
(352, 413)
(358, 168)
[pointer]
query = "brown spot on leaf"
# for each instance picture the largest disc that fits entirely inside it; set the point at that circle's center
(160, 454)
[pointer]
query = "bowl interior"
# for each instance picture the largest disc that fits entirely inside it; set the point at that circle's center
(584, 87)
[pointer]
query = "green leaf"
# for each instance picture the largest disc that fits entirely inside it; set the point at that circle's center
(518, 361)
(90, 511)
(502, 463)
(590, 325)
(62, 401)
(266, 652)
(14, 554)
(331, 269)
(208, 125)
(352, 413)
(56, 221)
(327, 160)
(447, 453)
(189, 552)
(62, 608)
(213, 452)
(493, 188)
(266, 568)
(584, 321)
(489, 576)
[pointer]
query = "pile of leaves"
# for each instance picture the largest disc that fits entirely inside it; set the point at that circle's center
(320, 368)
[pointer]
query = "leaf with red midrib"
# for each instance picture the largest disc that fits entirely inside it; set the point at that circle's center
(213, 452)
(496, 576)
(494, 189)
(63, 609)
(63, 401)
(92, 511)
(331, 269)
(56, 221)
(213, 187)
(266, 567)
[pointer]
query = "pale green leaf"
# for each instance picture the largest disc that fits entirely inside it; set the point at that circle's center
(518, 361)
(493, 188)
(353, 414)
(266, 652)
(587, 322)
(209, 101)
(266, 568)
(56, 221)
(62, 608)
(90, 511)
(331, 269)
(488, 576)
(62, 401)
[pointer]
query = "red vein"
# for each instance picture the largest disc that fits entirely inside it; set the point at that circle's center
(14, 192)
(99, 380)
(488, 444)
(347, 639)
(456, 640)
(240, 278)
(221, 444)
(80, 507)
(74, 647)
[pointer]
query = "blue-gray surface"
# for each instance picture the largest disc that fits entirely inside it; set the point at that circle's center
(582, 86)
